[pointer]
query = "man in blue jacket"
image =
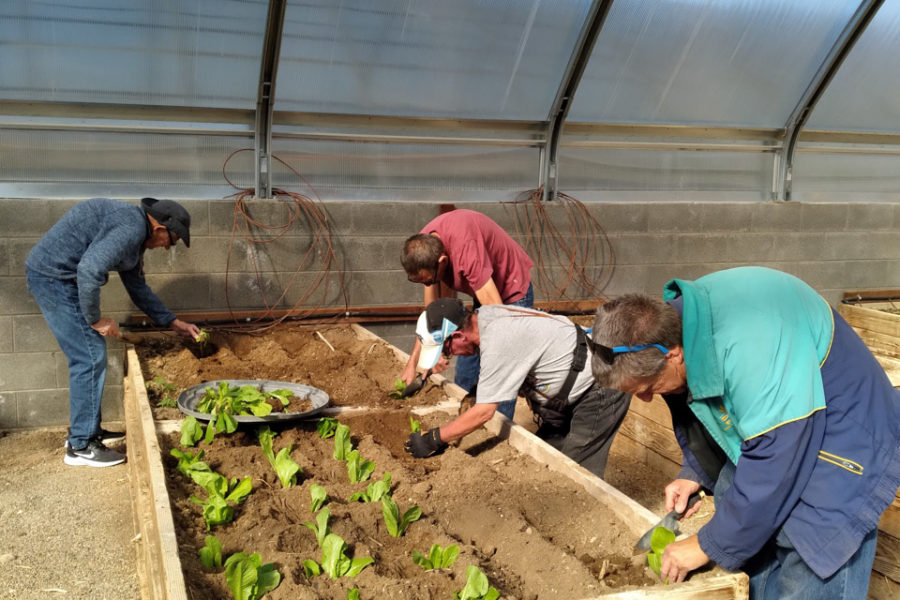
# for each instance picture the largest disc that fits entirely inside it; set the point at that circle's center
(65, 271)
(779, 408)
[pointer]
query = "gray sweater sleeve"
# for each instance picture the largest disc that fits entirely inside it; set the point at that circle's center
(106, 253)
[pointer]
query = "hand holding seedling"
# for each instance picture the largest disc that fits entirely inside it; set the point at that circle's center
(680, 558)
(184, 328)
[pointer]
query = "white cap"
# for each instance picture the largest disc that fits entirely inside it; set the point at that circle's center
(432, 341)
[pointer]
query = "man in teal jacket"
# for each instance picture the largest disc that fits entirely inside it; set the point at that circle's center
(781, 409)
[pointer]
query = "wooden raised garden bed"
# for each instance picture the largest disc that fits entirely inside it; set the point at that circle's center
(535, 522)
(877, 321)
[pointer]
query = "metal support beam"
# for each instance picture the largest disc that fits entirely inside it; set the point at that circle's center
(784, 163)
(265, 98)
(566, 92)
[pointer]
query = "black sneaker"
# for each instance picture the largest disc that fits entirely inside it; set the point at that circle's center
(103, 436)
(109, 437)
(94, 454)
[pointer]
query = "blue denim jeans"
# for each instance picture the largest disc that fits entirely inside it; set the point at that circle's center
(84, 347)
(779, 573)
(468, 367)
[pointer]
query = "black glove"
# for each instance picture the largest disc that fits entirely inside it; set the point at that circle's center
(423, 445)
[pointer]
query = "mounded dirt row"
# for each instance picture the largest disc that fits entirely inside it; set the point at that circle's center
(534, 533)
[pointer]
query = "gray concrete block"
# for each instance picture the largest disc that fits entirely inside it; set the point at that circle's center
(182, 292)
(847, 246)
(384, 218)
(701, 248)
(776, 216)
(18, 252)
(262, 218)
(61, 369)
(369, 253)
(31, 334)
(870, 217)
(207, 255)
(629, 279)
(659, 275)
(5, 257)
(824, 217)
(15, 299)
(30, 217)
(699, 217)
(112, 407)
(750, 248)
(25, 370)
(43, 408)
(820, 275)
(621, 218)
(6, 334)
(221, 217)
(9, 415)
(383, 287)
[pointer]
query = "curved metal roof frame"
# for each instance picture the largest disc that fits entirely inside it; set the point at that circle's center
(546, 135)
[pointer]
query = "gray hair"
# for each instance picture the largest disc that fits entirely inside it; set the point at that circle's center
(421, 251)
(633, 320)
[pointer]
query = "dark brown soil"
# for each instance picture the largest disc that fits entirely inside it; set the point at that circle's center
(533, 532)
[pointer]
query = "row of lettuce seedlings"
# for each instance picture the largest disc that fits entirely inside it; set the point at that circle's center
(245, 574)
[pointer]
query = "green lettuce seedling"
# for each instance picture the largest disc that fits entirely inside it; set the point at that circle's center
(320, 527)
(659, 539)
(216, 508)
(191, 432)
(414, 426)
(399, 386)
(396, 525)
(310, 568)
(335, 561)
(375, 491)
(353, 594)
(358, 468)
(283, 464)
(438, 558)
(342, 443)
(319, 497)
(188, 462)
(248, 578)
(326, 427)
(211, 553)
(477, 586)
(163, 390)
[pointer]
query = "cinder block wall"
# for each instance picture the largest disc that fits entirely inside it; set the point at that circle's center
(834, 247)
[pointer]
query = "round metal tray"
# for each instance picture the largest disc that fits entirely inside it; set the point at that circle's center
(190, 398)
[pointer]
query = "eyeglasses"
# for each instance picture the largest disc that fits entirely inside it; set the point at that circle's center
(435, 278)
(608, 354)
(448, 343)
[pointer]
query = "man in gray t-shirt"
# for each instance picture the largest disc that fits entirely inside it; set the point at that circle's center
(522, 351)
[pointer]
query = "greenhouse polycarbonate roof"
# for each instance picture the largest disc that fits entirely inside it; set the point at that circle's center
(864, 94)
(682, 62)
(460, 58)
(150, 52)
(741, 64)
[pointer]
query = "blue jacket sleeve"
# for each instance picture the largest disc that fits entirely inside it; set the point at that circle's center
(143, 296)
(104, 253)
(771, 475)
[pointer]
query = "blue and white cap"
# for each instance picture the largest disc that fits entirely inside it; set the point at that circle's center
(439, 319)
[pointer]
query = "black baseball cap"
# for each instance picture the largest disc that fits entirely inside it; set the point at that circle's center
(170, 215)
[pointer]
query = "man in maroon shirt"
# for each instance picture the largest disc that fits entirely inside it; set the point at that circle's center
(465, 251)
